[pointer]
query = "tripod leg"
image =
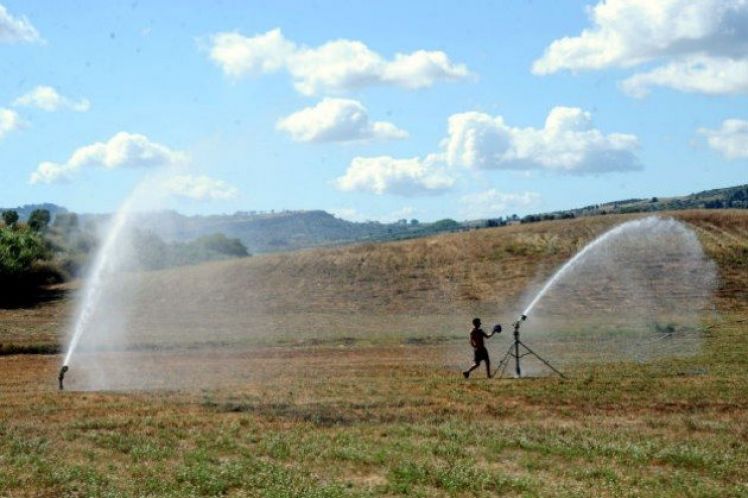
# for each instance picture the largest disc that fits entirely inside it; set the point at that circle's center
(536, 355)
(504, 362)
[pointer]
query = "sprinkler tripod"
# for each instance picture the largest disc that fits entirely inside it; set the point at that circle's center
(514, 352)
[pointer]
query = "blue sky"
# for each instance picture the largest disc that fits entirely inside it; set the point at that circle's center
(491, 108)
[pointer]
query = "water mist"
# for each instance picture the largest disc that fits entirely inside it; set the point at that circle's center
(635, 292)
(98, 318)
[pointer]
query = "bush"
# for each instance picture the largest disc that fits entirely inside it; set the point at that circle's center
(18, 250)
(221, 244)
(444, 225)
(39, 220)
(25, 261)
(155, 254)
(10, 218)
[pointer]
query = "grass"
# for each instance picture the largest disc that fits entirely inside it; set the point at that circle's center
(369, 425)
(340, 412)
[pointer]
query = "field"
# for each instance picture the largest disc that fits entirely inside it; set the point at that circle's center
(336, 373)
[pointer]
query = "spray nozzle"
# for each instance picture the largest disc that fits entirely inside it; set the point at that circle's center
(61, 377)
(516, 324)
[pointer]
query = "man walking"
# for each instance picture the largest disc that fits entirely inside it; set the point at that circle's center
(477, 341)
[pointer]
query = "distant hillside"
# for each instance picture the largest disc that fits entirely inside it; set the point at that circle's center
(722, 198)
(480, 272)
(288, 230)
(292, 230)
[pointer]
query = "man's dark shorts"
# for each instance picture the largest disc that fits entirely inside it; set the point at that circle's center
(481, 354)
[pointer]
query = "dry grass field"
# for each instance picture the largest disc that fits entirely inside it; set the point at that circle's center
(339, 377)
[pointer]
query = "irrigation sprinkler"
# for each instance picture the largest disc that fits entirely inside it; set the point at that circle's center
(61, 377)
(514, 352)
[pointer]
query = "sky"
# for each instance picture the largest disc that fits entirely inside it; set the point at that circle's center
(371, 110)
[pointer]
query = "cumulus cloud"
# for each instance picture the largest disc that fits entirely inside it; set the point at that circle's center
(9, 121)
(239, 55)
(405, 177)
(337, 120)
(333, 67)
(123, 150)
(48, 99)
(201, 188)
(16, 29)
(703, 43)
(493, 203)
(567, 143)
(697, 74)
(731, 140)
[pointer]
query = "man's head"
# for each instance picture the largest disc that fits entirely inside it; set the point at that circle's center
(476, 322)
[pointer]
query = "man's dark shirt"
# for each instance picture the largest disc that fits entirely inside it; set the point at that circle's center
(476, 338)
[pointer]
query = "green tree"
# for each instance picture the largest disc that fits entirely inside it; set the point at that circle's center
(39, 220)
(444, 225)
(221, 244)
(10, 218)
(19, 250)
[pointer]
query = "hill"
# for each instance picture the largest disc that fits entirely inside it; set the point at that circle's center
(425, 285)
(263, 232)
(722, 198)
(449, 275)
(286, 230)
(292, 230)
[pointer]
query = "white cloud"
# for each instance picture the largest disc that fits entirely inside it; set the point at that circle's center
(48, 99)
(731, 140)
(239, 55)
(333, 67)
(702, 74)
(704, 44)
(492, 203)
(9, 121)
(16, 29)
(406, 177)
(123, 150)
(200, 188)
(337, 120)
(567, 143)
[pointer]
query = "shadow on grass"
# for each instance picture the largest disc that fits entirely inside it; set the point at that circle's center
(324, 415)
(14, 349)
(19, 296)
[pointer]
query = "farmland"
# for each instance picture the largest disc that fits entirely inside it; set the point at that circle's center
(335, 372)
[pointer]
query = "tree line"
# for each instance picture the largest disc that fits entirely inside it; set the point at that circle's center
(42, 251)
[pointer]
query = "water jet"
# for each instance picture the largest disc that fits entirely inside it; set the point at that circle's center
(631, 279)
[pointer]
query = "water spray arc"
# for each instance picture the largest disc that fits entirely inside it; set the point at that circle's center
(517, 345)
(93, 288)
(572, 263)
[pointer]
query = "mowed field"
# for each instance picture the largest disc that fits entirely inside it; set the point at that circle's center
(335, 372)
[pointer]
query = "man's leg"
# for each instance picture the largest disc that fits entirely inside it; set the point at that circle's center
(488, 367)
(466, 373)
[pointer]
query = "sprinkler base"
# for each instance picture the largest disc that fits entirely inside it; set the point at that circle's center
(61, 377)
